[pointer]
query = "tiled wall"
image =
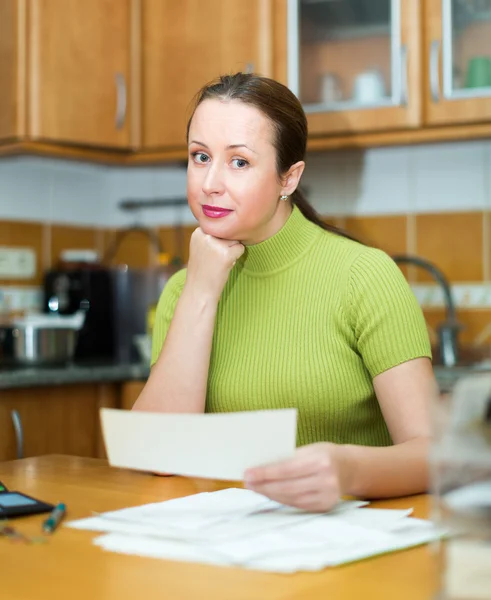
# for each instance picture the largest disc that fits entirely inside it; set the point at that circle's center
(433, 201)
(50, 205)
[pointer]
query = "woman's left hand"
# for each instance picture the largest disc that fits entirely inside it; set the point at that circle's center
(310, 480)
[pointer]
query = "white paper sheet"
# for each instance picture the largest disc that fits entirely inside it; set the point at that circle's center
(238, 527)
(278, 552)
(217, 446)
(229, 513)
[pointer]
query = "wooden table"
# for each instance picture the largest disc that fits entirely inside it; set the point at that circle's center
(70, 567)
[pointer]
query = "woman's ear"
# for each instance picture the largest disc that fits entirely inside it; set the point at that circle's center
(292, 178)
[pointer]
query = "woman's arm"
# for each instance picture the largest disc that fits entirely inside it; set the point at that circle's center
(404, 393)
(319, 473)
(178, 380)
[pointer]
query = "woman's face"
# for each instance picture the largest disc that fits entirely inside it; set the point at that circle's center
(233, 188)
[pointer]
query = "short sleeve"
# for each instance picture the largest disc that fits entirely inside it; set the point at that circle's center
(165, 311)
(386, 318)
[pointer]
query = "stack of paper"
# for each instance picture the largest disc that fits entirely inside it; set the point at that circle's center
(238, 527)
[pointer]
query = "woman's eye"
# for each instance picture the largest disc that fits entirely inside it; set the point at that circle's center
(240, 163)
(200, 157)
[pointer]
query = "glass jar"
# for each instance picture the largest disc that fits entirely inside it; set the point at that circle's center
(461, 485)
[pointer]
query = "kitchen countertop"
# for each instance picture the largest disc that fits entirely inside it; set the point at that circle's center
(447, 376)
(22, 377)
(99, 372)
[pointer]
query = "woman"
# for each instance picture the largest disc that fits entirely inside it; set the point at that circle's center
(278, 310)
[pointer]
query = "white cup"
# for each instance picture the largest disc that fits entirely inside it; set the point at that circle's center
(330, 88)
(369, 87)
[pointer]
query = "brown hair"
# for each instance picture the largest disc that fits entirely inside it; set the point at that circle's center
(287, 116)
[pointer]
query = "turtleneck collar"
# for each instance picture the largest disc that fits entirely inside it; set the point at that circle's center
(282, 249)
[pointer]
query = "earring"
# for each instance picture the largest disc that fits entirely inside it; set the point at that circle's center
(284, 197)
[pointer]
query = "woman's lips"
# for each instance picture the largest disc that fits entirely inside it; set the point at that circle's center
(215, 212)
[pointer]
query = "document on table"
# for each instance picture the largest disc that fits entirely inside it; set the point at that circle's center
(237, 527)
(216, 446)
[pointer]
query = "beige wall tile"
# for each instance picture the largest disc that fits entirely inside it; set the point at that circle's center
(477, 325)
(176, 243)
(135, 249)
(64, 237)
(389, 233)
(24, 235)
(454, 242)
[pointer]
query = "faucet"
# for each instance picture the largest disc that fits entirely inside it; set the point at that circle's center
(118, 238)
(449, 329)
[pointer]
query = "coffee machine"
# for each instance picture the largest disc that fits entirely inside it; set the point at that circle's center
(115, 301)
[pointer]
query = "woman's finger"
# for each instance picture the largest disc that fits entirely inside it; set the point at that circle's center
(300, 465)
(317, 501)
(288, 489)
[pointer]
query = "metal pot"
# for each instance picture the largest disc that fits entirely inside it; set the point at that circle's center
(35, 345)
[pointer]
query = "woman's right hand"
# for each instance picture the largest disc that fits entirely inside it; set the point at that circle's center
(210, 262)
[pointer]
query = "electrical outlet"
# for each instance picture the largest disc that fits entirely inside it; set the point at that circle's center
(17, 263)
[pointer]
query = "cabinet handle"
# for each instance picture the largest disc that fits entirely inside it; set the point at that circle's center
(435, 70)
(121, 98)
(249, 68)
(404, 75)
(19, 433)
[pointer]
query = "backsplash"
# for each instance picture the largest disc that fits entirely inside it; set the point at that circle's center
(432, 200)
(58, 191)
(436, 178)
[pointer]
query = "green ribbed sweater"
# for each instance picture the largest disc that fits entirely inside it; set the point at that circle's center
(307, 319)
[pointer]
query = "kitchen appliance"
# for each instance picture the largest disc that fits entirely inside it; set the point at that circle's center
(115, 301)
(39, 340)
(29, 345)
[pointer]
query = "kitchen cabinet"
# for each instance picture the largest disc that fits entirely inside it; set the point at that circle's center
(458, 61)
(113, 80)
(186, 44)
(69, 72)
(54, 420)
(80, 77)
(12, 69)
(354, 64)
(130, 391)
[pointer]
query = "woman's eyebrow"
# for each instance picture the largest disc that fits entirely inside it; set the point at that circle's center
(241, 146)
(199, 143)
(229, 147)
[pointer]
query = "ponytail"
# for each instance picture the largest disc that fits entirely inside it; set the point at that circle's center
(309, 212)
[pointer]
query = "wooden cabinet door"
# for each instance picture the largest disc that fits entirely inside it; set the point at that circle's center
(457, 62)
(186, 44)
(54, 420)
(12, 69)
(354, 66)
(80, 75)
(130, 390)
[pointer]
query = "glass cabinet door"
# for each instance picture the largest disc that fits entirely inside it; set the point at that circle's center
(458, 50)
(466, 48)
(346, 55)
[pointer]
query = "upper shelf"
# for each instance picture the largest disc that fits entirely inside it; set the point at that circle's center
(466, 12)
(342, 19)
(347, 12)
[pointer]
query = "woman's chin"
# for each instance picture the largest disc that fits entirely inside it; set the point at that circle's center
(218, 230)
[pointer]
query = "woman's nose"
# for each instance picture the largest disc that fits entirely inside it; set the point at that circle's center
(213, 181)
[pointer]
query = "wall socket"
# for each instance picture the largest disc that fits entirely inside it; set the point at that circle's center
(17, 263)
